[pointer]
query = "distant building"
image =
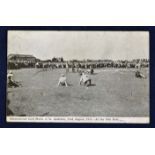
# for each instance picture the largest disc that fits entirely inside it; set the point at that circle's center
(21, 58)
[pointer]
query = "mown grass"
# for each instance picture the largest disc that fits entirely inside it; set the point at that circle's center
(115, 92)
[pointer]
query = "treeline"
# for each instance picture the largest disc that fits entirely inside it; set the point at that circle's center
(55, 63)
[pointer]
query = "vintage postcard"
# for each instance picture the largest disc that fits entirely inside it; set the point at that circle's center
(78, 76)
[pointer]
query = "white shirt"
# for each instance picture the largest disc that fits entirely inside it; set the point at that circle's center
(62, 79)
(84, 78)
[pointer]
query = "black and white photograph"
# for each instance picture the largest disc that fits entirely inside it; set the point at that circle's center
(78, 76)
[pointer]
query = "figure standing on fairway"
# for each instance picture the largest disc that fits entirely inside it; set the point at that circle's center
(63, 81)
(85, 79)
(67, 67)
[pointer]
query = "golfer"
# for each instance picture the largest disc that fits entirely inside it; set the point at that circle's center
(67, 67)
(139, 74)
(63, 81)
(11, 82)
(85, 79)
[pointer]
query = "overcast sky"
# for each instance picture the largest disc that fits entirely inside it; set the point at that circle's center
(80, 44)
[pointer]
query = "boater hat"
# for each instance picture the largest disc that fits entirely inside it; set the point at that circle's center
(10, 74)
